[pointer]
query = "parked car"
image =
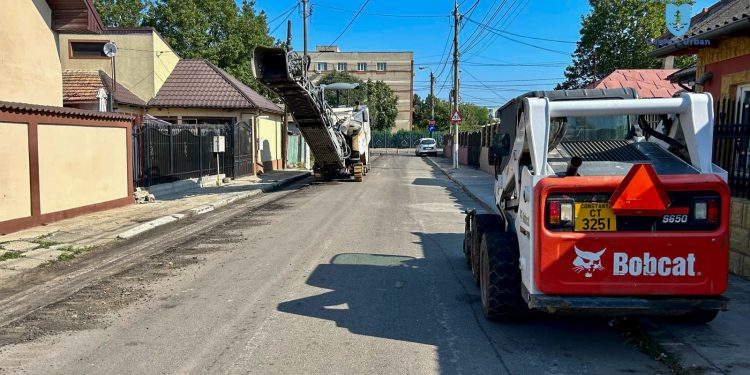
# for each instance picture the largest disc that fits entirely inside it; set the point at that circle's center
(426, 146)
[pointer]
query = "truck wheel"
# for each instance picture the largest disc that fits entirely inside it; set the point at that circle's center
(698, 317)
(500, 276)
(482, 223)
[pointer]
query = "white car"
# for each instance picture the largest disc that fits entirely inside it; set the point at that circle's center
(426, 146)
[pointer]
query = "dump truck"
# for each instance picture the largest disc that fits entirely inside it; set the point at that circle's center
(607, 205)
(338, 137)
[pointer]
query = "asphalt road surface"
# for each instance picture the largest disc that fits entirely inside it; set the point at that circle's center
(334, 278)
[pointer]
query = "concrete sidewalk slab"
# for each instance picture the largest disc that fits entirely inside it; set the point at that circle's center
(719, 347)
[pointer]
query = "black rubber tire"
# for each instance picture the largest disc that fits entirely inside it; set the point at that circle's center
(482, 223)
(697, 317)
(500, 277)
(467, 240)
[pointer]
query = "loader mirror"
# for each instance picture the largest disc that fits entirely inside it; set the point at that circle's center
(501, 145)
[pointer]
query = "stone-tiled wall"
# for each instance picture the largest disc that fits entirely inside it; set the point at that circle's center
(739, 257)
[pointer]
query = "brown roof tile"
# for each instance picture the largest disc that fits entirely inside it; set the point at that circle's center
(81, 86)
(198, 83)
(63, 111)
(650, 83)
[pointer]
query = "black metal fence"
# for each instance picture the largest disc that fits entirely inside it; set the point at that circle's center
(165, 152)
(386, 139)
(731, 149)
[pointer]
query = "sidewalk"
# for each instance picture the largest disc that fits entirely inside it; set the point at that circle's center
(719, 347)
(65, 239)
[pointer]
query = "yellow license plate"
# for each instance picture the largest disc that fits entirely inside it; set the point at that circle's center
(595, 217)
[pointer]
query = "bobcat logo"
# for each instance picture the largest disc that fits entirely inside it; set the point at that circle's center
(588, 261)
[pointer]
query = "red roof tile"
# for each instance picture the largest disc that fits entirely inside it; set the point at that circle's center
(650, 83)
(198, 83)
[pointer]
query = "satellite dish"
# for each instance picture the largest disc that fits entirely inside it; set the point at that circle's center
(110, 49)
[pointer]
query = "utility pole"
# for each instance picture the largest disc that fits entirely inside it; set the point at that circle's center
(432, 96)
(304, 32)
(289, 35)
(455, 81)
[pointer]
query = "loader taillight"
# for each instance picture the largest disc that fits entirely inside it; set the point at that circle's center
(706, 210)
(560, 213)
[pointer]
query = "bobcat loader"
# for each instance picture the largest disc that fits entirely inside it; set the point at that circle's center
(608, 205)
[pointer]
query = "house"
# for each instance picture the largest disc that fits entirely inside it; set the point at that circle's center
(396, 69)
(720, 37)
(55, 162)
(649, 83)
(149, 77)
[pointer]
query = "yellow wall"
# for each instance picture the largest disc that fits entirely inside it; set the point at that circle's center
(143, 62)
(80, 166)
(269, 134)
(29, 64)
(15, 193)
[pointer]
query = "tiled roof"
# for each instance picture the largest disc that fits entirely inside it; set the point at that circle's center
(81, 86)
(197, 83)
(685, 74)
(63, 111)
(723, 13)
(650, 83)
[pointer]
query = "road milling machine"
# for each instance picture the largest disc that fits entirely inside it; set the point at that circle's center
(338, 137)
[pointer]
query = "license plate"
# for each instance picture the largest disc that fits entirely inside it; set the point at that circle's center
(428, 148)
(595, 217)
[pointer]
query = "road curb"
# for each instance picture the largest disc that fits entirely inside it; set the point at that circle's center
(200, 210)
(468, 191)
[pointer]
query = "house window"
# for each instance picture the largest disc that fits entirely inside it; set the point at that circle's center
(87, 49)
(381, 66)
(743, 104)
(322, 67)
(361, 67)
(341, 67)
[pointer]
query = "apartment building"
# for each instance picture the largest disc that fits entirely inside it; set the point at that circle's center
(396, 69)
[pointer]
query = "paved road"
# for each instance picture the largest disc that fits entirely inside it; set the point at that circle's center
(338, 278)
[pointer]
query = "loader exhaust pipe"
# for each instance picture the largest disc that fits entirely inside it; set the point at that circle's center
(573, 165)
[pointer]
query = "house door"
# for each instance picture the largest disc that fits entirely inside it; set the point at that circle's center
(243, 149)
(743, 104)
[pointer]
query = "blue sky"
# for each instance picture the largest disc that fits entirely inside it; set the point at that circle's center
(428, 27)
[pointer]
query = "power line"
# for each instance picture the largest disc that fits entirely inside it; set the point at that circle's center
(283, 13)
(384, 14)
(487, 87)
(504, 26)
(351, 21)
(519, 35)
(289, 13)
(470, 43)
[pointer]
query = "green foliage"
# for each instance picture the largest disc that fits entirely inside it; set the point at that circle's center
(613, 36)
(473, 115)
(123, 13)
(221, 31)
(382, 102)
(10, 255)
(346, 97)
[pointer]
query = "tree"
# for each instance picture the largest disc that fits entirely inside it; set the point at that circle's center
(347, 98)
(417, 115)
(382, 102)
(122, 13)
(613, 36)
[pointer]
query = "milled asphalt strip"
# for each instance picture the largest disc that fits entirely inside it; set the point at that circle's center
(147, 226)
(21, 304)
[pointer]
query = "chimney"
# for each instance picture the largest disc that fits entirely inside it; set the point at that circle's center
(668, 62)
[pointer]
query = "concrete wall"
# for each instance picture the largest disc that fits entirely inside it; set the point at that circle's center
(29, 63)
(81, 166)
(58, 165)
(143, 62)
(484, 162)
(739, 257)
(269, 136)
(15, 197)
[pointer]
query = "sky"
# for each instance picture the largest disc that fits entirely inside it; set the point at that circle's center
(494, 68)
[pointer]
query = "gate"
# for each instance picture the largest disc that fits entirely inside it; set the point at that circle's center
(243, 149)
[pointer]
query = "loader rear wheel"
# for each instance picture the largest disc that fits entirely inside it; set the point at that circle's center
(482, 223)
(500, 276)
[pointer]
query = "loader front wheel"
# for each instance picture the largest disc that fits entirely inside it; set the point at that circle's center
(500, 276)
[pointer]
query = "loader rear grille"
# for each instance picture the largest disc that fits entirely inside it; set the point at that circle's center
(603, 151)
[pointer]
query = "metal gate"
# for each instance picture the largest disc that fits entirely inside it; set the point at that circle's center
(243, 149)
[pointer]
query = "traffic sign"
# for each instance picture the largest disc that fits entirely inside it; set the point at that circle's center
(431, 122)
(431, 128)
(456, 117)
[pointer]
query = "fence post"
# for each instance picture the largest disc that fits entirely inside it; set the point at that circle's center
(171, 152)
(200, 151)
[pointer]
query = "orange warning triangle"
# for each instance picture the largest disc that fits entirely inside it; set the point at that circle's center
(640, 193)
